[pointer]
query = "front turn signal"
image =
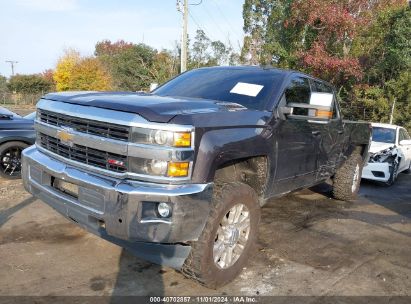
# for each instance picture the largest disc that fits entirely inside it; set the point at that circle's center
(182, 139)
(178, 169)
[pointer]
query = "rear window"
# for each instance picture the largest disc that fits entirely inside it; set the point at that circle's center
(249, 88)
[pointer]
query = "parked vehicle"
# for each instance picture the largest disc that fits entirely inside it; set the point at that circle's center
(16, 134)
(178, 176)
(390, 153)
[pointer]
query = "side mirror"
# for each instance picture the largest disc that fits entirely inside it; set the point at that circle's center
(320, 108)
(405, 142)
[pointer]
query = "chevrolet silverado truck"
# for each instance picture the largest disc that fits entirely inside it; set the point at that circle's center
(178, 175)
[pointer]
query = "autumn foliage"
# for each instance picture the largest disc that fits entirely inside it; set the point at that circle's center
(74, 72)
(363, 47)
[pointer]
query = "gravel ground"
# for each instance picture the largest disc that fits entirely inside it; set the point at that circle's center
(309, 244)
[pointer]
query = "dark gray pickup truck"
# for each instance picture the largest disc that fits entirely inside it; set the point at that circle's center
(178, 176)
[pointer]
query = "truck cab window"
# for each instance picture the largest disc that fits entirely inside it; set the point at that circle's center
(298, 91)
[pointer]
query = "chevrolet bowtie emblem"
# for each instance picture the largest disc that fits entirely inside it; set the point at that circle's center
(65, 137)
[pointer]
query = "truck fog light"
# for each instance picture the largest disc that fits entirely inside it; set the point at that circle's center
(164, 210)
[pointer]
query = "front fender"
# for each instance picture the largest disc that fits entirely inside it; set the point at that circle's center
(218, 147)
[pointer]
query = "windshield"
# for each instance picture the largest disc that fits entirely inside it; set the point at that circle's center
(383, 135)
(251, 88)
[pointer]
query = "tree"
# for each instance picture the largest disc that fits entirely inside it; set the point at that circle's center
(165, 66)
(48, 76)
(28, 84)
(130, 65)
(106, 47)
(200, 54)
(3, 84)
(64, 68)
(89, 75)
(384, 51)
(311, 35)
(361, 46)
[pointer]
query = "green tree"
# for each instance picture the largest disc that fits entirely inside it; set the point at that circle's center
(200, 52)
(3, 84)
(384, 49)
(29, 84)
(130, 66)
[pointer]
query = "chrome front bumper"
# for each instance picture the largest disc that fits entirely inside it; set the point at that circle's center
(123, 211)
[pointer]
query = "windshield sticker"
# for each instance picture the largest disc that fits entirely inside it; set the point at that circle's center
(248, 89)
(321, 99)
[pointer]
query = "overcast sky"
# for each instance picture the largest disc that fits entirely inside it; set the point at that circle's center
(35, 32)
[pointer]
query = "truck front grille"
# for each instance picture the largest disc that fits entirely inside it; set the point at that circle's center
(85, 155)
(97, 128)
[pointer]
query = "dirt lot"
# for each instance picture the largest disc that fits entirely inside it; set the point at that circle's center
(309, 244)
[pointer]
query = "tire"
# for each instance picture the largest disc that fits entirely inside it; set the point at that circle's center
(393, 175)
(10, 159)
(347, 179)
(408, 171)
(200, 264)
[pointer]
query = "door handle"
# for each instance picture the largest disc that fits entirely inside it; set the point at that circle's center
(315, 132)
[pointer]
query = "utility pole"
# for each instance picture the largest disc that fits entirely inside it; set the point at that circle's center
(12, 63)
(183, 8)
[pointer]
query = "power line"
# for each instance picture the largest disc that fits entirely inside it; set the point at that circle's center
(198, 25)
(227, 20)
(213, 20)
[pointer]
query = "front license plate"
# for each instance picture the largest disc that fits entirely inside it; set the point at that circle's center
(66, 187)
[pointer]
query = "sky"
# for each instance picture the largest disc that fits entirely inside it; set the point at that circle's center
(36, 32)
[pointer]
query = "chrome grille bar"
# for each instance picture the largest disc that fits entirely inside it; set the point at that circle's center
(82, 154)
(107, 130)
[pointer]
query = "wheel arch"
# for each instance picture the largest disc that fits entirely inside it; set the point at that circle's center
(252, 170)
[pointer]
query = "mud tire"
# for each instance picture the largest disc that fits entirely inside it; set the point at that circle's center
(343, 188)
(200, 264)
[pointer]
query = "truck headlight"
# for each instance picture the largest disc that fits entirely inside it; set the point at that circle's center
(161, 137)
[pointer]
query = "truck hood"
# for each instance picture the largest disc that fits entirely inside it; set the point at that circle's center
(153, 108)
(379, 146)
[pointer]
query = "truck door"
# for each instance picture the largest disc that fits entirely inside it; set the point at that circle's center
(295, 140)
(330, 132)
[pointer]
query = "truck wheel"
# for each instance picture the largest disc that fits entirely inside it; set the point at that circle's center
(228, 238)
(347, 179)
(10, 159)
